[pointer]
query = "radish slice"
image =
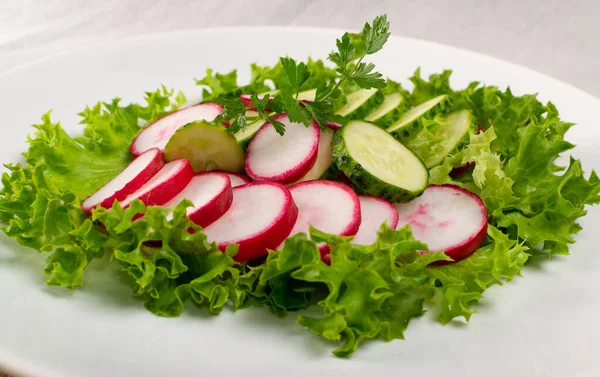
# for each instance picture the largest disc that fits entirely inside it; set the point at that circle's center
(329, 206)
(134, 176)
(334, 126)
(271, 157)
(236, 179)
(374, 211)
(211, 194)
(323, 161)
(447, 218)
(247, 99)
(167, 183)
(158, 133)
(260, 218)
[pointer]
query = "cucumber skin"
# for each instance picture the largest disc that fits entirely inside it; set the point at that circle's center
(365, 109)
(332, 173)
(363, 179)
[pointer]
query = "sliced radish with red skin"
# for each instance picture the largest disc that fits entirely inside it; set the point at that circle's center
(271, 157)
(134, 176)
(334, 126)
(165, 184)
(323, 161)
(448, 219)
(158, 133)
(236, 179)
(261, 217)
(457, 172)
(212, 195)
(247, 100)
(328, 206)
(374, 212)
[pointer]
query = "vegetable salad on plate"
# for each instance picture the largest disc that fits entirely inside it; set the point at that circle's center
(316, 184)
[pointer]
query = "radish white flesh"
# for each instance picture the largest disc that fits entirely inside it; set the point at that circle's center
(211, 194)
(158, 133)
(165, 185)
(447, 218)
(271, 157)
(374, 212)
(134, 176)
(323, 161)
(328, 206)
(236, 179)
(261, 217)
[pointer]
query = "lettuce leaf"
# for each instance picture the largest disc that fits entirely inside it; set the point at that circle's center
(167, 263)
(40, 201)
(533, 203)
(371, 291)
(262, 79)
(463, 283)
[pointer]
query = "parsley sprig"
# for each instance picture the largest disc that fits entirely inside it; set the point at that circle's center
(349, 57)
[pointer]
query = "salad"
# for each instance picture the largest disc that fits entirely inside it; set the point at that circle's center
(315, 185)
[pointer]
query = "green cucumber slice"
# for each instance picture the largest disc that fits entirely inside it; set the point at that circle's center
(206, 146)
(389, 111)
(246, 134)
(378, 163)
(307, 95)
(452, 133)
(360, 103)
(416, 112)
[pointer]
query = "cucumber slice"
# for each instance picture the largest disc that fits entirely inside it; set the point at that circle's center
(452, 133)
(378, 163)
(414, 113)
(360, 103)
(389, 111)
(246, 134)
(206, 146)
(307, 95)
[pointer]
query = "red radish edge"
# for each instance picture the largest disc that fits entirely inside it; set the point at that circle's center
(352, 226)
(256, 244)
(165, 184)
(158, 133)
(293, 173)
(464, 248)
(372, 218)
(210, 202)
(236, 178)
(135, 175)
(334, 126)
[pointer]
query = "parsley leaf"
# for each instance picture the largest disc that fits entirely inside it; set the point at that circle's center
(344, 54)
(375, 37)
(366, 78)
(297, 73)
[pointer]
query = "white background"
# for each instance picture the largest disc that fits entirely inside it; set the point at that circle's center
(556, 37)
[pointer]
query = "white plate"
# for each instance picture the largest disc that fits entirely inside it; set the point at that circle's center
(543, 325)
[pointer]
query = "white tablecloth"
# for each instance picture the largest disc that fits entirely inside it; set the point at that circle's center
(557, 37)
